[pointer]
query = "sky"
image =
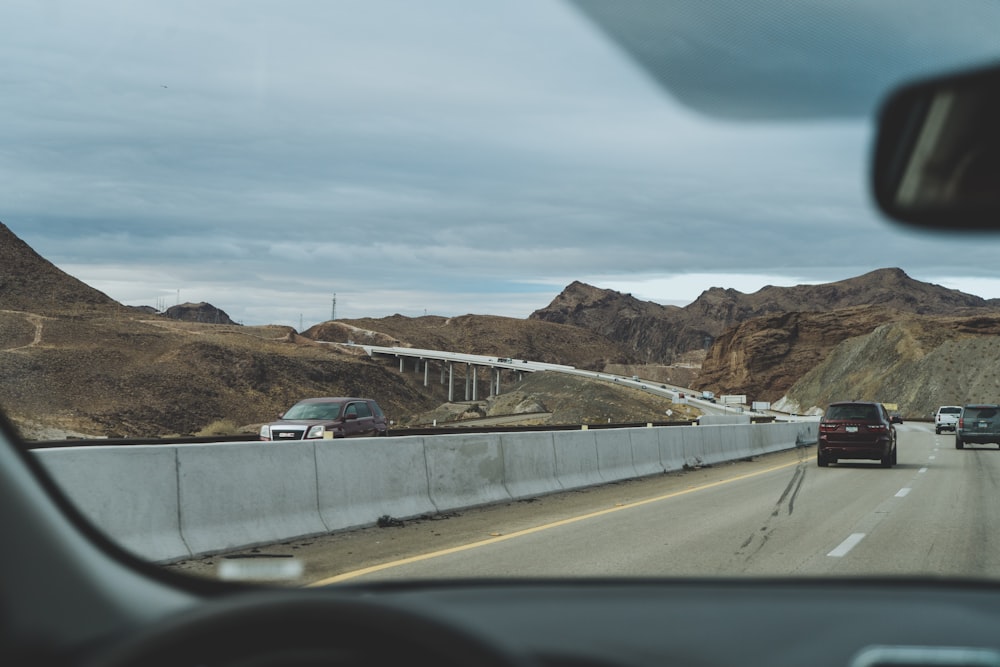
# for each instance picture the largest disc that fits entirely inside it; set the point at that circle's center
(292, 161)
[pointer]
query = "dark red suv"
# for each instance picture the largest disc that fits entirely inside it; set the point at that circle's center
(315, 418)
(856, 430)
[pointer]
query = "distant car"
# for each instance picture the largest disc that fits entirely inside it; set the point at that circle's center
(979, 424)
(856, 430)
(341, 417)
(896, 418)
(946, 418)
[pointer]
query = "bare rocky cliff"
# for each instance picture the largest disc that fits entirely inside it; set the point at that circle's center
(763, 357)
(917, 363)
(658, 334)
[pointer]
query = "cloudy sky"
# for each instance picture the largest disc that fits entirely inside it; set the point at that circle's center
(442, 157)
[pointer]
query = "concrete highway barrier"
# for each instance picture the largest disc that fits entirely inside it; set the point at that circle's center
(465, 470)
(362, 479)
(171, 502)
(529, 463)
(614, 455)
(576, 458)
(235, 494)
(130, 493)
(646, 458)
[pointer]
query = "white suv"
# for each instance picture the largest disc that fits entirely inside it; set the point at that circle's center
(946, 418)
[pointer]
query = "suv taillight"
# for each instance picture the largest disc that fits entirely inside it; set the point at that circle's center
(961, 422)
(877, 427)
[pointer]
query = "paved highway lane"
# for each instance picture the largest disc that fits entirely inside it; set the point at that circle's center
(936, 512)
(931, 514)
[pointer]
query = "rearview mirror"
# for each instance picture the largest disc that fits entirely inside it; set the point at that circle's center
(937, 152)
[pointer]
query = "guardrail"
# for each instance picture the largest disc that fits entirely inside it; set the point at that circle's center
(170, 502)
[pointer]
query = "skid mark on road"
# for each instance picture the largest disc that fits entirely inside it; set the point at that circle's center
(538, 529)
(759, 537)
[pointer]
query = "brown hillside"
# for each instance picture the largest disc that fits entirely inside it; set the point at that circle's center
(916, 362)
(132, 378)
(764, 356)
(658, 334)
(479, 334)
(29, 282)
(647, 332)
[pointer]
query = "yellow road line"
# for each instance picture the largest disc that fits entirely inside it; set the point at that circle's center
(537, 529)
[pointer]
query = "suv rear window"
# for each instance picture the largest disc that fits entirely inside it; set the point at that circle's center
(852, 411)
(980, 413)
(949, 411)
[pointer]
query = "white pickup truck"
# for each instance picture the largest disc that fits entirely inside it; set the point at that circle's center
(946, 418)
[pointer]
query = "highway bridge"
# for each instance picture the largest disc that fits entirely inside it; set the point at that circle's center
(469, 366)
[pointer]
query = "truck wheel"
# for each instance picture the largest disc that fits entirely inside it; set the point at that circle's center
(958, 443)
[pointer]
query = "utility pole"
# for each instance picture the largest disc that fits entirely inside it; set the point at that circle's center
(333, 307)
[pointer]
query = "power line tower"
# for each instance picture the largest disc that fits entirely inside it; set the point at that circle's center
(333, 307)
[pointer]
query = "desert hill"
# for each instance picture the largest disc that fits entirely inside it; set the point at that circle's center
(659, 334)
(479, 334)
(132, 377)
(31, 283)
(74, 359)
(917, 362)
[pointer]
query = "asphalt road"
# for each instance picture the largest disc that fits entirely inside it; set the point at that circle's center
(934, 513)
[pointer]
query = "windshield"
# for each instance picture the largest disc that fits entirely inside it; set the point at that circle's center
(594, 277)
(313, 411)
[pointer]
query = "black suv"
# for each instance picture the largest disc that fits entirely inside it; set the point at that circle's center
(979, 423)
(856, 430)
(315, 418)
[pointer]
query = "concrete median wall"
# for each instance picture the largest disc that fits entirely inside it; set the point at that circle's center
(235, 494)
(130, 493)
(362, 479)
(168, 503)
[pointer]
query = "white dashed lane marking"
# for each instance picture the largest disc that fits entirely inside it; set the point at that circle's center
(846, 546)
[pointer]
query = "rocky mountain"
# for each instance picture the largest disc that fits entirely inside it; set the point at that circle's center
(915, 362)
(198, 312)
(647, 332)
(30, 282)
(479, 334)
(658, 334)
(74, 359)
(764, 356)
